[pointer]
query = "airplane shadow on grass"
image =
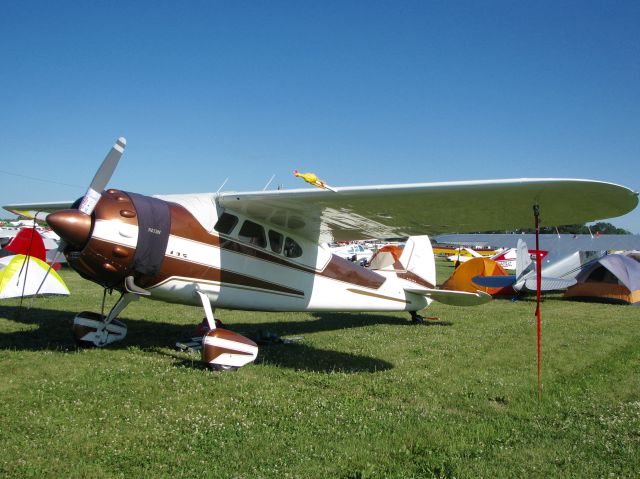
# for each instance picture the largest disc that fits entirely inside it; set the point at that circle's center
(51, 330)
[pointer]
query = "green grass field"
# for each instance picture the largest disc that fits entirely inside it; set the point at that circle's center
(363, 395)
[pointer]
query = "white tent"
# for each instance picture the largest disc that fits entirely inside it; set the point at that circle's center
(21, 276)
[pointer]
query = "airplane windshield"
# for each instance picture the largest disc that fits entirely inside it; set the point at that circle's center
(226, 223)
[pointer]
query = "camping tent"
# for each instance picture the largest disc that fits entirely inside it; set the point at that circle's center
(614, 278)
(26, 241)
(21, 275)
(461, 279)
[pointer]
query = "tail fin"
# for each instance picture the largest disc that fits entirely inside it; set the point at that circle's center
(29, 243)
(523, 259)
(417, 258)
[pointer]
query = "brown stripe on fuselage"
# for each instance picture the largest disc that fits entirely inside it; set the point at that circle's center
(184, 225)
(414, 278)
(178, 267)
(379, 296)
(229, 244)
(348, 272)
(337, 268)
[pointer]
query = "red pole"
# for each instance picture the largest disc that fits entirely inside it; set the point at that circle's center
(536, 214)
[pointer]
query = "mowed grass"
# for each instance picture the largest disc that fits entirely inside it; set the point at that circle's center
(363, 395)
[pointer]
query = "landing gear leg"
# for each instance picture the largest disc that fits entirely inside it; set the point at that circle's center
(224, 350)
(416, 318)
(93, 329)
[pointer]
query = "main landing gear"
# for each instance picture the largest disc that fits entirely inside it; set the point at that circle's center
(224, 350)
(95, 330)
(416, 318)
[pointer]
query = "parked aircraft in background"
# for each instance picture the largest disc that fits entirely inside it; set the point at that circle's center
(260, 250)
(505, 258)
(354, 252)
(562, 243)
(559, 270)
(463, 254)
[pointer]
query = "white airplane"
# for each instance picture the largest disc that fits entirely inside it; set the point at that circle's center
(559, 270)
(353, 252)
(261, 250)
(505, 258)
(562, 243)
(463, 255)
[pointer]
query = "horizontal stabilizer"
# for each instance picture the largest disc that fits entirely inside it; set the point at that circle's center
(549, 284)
(452, 298)
(494, 281)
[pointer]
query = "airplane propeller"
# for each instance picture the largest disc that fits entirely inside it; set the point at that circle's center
(75, 226)
(102, 177)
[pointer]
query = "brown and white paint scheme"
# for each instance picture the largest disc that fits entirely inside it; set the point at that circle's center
(203, 267)
(234, 274)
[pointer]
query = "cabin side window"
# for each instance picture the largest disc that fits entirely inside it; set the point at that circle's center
(226, 223)
(292, 249)
(275, 240)
(253, 234)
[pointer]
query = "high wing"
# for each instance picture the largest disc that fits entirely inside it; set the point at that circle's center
(387, 211)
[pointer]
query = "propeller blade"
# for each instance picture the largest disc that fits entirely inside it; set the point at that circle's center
(91, 197)
(102, 177)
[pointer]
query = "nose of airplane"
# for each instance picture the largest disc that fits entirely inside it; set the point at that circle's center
(73, 226)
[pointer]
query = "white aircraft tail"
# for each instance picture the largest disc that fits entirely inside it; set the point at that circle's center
(523, 259)
(526, 277)
(417, 258)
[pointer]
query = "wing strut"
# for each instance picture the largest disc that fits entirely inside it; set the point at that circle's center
(536, 215)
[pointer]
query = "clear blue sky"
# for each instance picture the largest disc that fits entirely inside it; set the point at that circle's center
(360, 92)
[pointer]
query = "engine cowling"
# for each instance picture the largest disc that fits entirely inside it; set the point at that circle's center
(126, 235)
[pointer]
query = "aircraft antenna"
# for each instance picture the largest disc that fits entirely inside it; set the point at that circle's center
(269, 182)
(222, 185)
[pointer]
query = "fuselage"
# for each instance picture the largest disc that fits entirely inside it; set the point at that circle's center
(187, 243)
